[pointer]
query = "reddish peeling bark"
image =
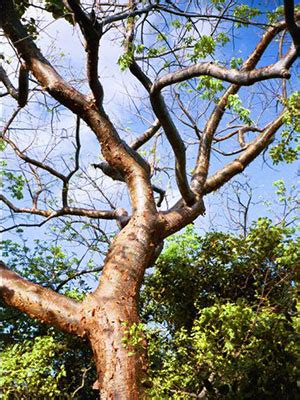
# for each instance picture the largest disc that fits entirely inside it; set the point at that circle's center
(39, 302)
(113, 307)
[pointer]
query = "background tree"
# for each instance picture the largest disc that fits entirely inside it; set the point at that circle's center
(188, 93)
(227, 324)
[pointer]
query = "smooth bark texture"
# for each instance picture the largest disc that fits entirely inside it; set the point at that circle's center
(39, 302)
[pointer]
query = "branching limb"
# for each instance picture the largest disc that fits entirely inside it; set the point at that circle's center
(242, 78)
(8, 84)
(41, 303)
(146, 136)
(32, 161)
(292, 27)
(43, 71)
(240, 134)
(243, 130)
(92, 32)
(76, 275)
(181, 215)
(202, 166)
(128, 14)
(160, 108)
(162, 113)
(69, 176)
(239, 164)
(134, 167)
(117, 176)
(117, 214)
(161, 193)
(10, 121)
(23, 86)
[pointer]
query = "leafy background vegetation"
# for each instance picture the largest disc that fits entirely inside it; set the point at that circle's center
(219, 312)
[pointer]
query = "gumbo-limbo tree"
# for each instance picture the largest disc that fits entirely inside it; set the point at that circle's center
(213, 90)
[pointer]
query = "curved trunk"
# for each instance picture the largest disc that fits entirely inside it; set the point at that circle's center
(113, 308)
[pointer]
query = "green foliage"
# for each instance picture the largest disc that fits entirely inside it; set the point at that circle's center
(13, 183)
(46, 367)
(232, 352)
(222, 39)
(28, 369)
(45, 264)
(275, 15)
(282, 193)
(204, 47)
(125, 60)
(225, 306)
(2, 145)
(55, 7)
(287, 148)
(236, 62)
(235, 104)
(38, 361)
(245, 12)
(176, 23)
(211, 85)
(134, 337)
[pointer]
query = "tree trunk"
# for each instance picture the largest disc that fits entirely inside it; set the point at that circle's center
(113, 308)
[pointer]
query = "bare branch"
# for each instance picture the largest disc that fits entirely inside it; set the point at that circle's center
(41, 303)
(115, 151)
(76, 275)
(160, 108)
(117, 214)
(117, 176)
(32, 161)
(243, 130)
(129, 14)
(192, 15)
(181, 215)
(242, 78)
(92, 32)
(239, 164)
(147, 135)
(10, 121)
(292, 27)
(161, 111)
(36, 62)
(69, 176)
(23, 86)
(7, 83)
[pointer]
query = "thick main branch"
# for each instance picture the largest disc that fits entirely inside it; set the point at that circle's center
(243, 78)
(41, 303)
(292, 27)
